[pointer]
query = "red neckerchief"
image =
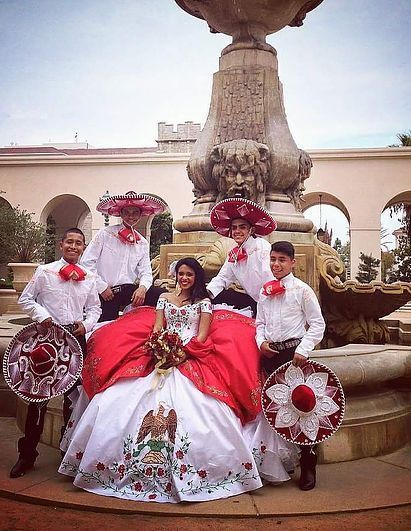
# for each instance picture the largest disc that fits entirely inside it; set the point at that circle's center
(72, 272)
(237, 254)
(274, 287)
(128, 235)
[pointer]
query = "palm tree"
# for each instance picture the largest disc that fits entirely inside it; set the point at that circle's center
(404, 208)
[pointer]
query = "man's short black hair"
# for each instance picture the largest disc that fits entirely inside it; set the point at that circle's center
(76, 231)
(284, 247)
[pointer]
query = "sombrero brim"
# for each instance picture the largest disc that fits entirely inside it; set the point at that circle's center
(57, 370)
(304, 405)
(225, 211)
(148, 204)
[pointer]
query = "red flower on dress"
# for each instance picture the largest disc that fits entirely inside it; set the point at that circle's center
(160, 472)
(127, 457)
(100, 466)
(121, 469)
(138, 486)
(248, 466)
(168, 487)
(79, 455)
(152, 496)
(183, 469)
(183, 312)
(149, 471)
(202, 474)
(263, 449)
(179, 454)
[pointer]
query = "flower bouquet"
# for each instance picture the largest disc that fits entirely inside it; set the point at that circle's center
(166, 348)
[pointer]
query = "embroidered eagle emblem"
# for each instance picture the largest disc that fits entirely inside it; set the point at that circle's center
(161, 427)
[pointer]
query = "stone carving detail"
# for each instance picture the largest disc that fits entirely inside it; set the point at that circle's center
(352, 310)
(241, 168)
(197, 174)
(299, 18)
(242, 107)
(297, 189)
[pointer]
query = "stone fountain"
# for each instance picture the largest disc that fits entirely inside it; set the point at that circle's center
(246, 149)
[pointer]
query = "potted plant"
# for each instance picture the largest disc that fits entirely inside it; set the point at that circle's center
(23, 243)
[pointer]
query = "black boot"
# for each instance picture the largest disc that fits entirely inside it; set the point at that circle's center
(21, 467)
(308, 462)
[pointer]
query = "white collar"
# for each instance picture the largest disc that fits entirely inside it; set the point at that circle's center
(287, 280)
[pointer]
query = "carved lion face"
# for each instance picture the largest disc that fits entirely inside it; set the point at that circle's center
(241, 169)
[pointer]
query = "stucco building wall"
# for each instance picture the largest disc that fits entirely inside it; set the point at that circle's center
(361, 182)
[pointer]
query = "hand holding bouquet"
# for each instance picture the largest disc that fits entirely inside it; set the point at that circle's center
(166, 348)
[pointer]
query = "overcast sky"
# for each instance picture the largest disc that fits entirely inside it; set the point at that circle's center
(111, 69)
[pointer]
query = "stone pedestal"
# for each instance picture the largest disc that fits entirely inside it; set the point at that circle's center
(247, 103)
(8, 300)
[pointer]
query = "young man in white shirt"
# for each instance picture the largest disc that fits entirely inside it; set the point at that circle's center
(63, 293)
(285, 307)
(248, 263)
(120, 255)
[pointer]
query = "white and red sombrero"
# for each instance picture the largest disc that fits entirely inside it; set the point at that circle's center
(226, 210)
(147, 203)
(304, 405)
(41, 363)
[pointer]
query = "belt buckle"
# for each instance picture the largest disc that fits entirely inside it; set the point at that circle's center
(116, 289)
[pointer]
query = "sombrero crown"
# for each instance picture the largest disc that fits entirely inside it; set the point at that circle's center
(225, 211)
(147, 203)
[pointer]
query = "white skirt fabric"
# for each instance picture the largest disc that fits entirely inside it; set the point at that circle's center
(160, 439)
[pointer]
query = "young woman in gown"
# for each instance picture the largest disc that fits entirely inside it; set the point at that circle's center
(195, 433)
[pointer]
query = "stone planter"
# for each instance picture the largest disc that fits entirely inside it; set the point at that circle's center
(22, 273)
(8, 297)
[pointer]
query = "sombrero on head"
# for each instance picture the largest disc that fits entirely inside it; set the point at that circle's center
(225, 211)
(147, 203)
(303, 405)
(42, 363)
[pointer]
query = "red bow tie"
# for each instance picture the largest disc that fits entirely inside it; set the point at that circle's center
(127, 235)
(72, 272)
(237, 254)
(274, 287)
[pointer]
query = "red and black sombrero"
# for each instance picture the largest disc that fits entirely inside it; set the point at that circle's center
(225, 211)
(42, 363)
(147, 203)
(304, 405)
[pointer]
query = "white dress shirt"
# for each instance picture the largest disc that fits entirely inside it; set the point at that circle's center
(115, 262)
(48, 295)
(250, 273)
(284, 316)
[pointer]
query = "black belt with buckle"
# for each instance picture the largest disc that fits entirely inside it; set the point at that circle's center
(70, 327)
(284, 345)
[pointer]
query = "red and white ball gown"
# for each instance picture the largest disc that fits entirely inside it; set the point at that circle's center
(195, 434)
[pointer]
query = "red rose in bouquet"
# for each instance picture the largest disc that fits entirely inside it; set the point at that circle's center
(166, 347)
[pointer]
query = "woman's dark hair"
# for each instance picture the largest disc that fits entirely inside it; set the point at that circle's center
(199, 290)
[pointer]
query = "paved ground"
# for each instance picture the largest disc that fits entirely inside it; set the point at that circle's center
(373, 493)
(19, 516)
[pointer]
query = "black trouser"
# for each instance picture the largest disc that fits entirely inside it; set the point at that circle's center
(272, 364)
(237, 299)
(36, 411)
(122, 298)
